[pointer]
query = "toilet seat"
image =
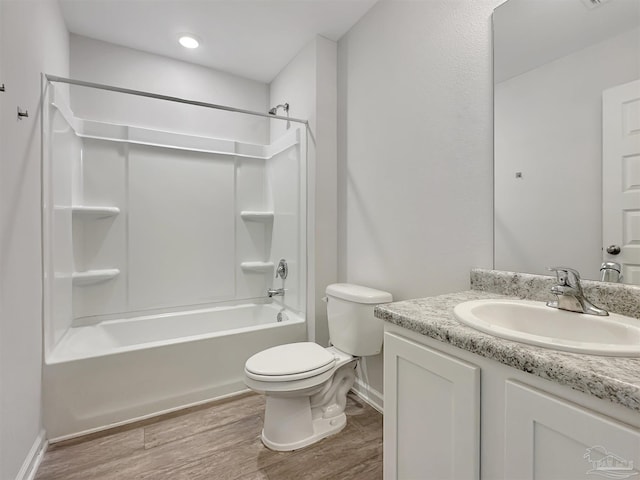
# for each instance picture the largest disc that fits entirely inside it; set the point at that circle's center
(290, 362)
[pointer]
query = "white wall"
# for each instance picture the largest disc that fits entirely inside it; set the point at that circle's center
(101, 62)
(286, 185)
(549, 127)
(151, 191)
(61, 166)
(415, 149)
(309, 84)
(164, 194)
(33, 40)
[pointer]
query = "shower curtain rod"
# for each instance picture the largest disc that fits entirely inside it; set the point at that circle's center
(140, 93)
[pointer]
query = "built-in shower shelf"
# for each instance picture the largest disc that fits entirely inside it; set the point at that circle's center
(256, 216)
(90, 277)
(83, 211)
(257, 267)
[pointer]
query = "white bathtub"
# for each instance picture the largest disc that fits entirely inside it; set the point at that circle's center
(120, 371)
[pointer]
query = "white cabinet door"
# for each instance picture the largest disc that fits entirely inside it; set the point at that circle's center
(547, 438)
(432, 413)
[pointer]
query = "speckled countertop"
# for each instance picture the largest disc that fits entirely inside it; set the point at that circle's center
(612, 378)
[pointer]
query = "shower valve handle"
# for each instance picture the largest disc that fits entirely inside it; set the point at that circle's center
(283, 270)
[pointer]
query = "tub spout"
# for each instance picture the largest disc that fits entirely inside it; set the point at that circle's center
(275, 292)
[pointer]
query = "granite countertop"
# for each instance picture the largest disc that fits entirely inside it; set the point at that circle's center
(612, 378)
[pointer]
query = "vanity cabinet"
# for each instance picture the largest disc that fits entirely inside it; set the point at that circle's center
(432, 413)
(443, 420)
(549, 438)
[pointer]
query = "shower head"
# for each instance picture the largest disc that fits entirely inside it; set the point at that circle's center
(274, 110)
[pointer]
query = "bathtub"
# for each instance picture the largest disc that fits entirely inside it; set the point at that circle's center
(119, 371)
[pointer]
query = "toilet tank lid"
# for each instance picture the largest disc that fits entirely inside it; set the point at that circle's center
(358, 293)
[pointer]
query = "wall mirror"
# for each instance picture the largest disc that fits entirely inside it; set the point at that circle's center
(567, 136)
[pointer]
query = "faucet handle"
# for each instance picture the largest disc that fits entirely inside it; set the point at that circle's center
(283, 269)
(566, 276)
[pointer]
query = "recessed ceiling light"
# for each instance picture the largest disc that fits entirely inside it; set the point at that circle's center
(188, 41)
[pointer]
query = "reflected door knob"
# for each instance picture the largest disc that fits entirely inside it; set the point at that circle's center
(613, 249)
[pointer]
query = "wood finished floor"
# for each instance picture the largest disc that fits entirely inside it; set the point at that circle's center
(218, 441)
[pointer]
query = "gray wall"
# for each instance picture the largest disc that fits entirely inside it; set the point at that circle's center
(33, 39)
(415, 149)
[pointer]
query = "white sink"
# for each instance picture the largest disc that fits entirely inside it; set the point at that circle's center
(536, 324)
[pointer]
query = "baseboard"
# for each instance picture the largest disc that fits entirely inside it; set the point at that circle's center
(34, 458)
(155, 416)
(369, 395)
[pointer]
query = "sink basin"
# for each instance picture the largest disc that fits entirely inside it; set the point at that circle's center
(536, 324)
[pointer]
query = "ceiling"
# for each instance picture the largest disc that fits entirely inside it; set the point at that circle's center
(251, 38)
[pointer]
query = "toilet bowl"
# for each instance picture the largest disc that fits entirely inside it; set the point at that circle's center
(302, 406)
(306, 385)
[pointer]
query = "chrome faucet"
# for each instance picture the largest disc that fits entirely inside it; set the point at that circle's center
(569, 293)
(611, 272)
(281, 271)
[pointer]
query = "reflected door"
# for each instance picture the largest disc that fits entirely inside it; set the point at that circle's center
(621, 178)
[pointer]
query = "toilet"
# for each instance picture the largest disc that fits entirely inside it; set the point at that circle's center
(306, 385)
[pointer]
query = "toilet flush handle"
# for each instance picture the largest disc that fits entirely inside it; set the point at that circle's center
(325, 299)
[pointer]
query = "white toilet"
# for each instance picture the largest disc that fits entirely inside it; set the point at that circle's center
(306, 385)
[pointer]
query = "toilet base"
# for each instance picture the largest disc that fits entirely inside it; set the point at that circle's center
(303, 412)
(293, 422)
(322, 428)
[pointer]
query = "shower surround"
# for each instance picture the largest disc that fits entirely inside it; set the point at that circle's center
(158, 251)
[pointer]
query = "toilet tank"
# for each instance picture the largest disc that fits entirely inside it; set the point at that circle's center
(352, 326)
